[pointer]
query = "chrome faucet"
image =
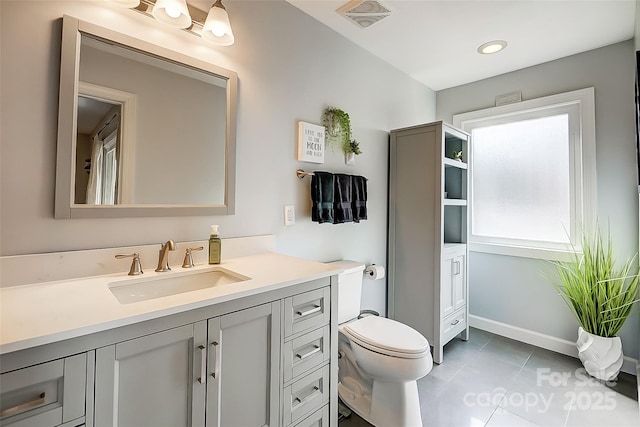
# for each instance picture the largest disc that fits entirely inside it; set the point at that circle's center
(163, 256)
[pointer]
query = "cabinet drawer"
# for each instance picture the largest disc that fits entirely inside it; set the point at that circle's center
(306, 395)
(309, 310)
(44, 395)
(320, 418)
(306, 352)
(453, 325)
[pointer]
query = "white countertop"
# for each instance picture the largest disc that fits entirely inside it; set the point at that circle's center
(42, 313)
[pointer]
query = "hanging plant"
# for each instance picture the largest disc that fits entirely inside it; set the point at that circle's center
(338, 130)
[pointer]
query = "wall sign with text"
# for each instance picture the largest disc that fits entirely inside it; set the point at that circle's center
(310, 143)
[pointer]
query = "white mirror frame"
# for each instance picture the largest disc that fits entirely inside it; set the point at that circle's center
(72, 29)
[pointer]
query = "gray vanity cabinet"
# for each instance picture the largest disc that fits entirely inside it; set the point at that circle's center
(243, 366)
(267, 360)
(153, 380)
(217, 372)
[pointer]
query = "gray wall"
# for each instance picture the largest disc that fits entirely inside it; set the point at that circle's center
(290, 68)
(514, 290)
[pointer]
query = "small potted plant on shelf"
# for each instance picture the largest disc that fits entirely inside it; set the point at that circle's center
(338, 130)
(600, 296)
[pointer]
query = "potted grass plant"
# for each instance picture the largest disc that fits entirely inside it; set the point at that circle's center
(600, 295)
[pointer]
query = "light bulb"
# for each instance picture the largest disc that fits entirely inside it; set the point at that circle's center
(173, 13)
(492, 47)
(218, 30)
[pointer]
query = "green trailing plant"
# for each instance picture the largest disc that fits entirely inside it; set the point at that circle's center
(337, 125)
(599, 295)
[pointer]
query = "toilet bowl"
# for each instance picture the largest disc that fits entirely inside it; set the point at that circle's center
(380, 359)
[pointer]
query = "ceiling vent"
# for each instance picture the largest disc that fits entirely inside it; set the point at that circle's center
(364, 13)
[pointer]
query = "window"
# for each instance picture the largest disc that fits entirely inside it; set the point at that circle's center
(532, 174)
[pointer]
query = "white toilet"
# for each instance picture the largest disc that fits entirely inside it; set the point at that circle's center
(380, 359)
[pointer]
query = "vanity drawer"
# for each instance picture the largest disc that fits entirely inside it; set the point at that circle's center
(306, 395)
(44, 395)
(320, 418)
(453, 325)
(309, 310)
(306, 352)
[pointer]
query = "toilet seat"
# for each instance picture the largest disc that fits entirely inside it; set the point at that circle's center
(387, 336)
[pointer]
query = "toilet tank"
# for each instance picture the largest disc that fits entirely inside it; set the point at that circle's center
(349, 289)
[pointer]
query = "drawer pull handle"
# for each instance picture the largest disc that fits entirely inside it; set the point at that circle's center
(23, 406)
(309, 353)
(315, 309)
(455, 322)
(203, 364)
(310, 396)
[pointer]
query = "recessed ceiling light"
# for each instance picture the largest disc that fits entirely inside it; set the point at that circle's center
(492, 47)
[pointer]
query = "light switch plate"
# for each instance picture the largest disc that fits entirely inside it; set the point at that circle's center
(289, 215)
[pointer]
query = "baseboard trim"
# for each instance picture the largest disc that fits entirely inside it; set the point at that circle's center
(559, 345)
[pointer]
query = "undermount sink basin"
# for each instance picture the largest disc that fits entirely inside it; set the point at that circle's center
(146, 288)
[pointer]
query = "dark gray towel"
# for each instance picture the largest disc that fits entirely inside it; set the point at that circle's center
(322, 187)
(359, 198)
(342, 199)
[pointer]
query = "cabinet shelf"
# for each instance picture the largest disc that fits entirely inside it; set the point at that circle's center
(454, 246)
(454, 163)
(455, 202)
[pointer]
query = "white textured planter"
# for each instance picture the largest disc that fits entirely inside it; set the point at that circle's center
(349, 158)
(601, 357)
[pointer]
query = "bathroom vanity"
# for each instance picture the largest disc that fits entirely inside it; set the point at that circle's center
(254, 352)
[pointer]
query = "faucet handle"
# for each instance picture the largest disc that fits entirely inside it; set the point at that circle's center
(136, 266)
(188, 258)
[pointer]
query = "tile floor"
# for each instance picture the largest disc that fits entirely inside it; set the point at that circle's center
(493, 381)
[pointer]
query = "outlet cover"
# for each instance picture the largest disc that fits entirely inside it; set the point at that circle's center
(289, 215)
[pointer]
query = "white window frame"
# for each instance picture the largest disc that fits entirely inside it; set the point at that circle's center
(580, 105)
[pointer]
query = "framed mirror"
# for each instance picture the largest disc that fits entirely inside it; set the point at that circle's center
(142, 130)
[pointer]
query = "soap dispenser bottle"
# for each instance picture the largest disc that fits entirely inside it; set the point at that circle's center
(214, 246)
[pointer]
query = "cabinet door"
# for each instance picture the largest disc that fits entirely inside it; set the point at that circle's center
(447, 286)
(459, 271)
(243, 366)
(155, 380)
(453, 295)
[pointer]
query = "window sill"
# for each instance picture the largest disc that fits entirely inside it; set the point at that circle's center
(522, 251)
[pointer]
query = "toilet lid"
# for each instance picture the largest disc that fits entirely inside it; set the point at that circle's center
(387, 336)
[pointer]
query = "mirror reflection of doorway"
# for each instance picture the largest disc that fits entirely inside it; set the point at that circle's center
(97, 151)
(105, 143)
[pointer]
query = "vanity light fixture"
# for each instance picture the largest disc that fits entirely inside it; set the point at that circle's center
(217, 28)
(214, 27)
(172, 12)
(492, 47)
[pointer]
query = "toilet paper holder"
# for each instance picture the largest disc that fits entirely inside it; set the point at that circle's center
(374, 272)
